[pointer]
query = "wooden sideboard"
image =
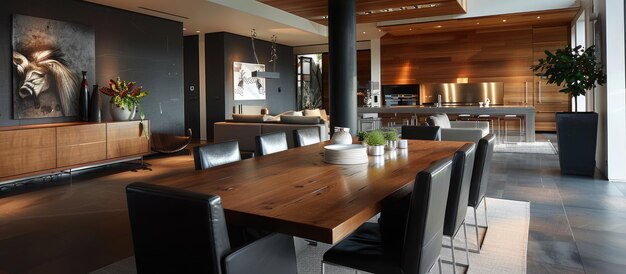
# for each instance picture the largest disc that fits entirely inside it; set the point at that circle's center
(40, 149)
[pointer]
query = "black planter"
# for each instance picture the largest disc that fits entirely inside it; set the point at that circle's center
(577, 134)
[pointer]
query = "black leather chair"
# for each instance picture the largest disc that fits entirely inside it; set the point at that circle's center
(408, 237)
(480, 178)
(271, 143)
(306, 136)
(176, 231)
(216, 154)
(456, 208)
(421, 133)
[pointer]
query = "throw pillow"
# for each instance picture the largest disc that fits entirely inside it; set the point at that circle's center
(303, 120)
(441, 120)
(249, 118)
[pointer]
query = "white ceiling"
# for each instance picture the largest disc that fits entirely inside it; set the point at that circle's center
(241, 16)
(238, 17)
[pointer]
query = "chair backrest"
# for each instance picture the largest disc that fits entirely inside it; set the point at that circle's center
(460, 180)
(271, 143)
(216, 154)
(176, 231)
(480, 173)
(421, 133)
(306, 136)
(424, 227)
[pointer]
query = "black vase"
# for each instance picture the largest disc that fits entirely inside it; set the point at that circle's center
(94, 106)
(84, 99)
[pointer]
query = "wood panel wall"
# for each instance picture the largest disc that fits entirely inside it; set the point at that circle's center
(480, 55)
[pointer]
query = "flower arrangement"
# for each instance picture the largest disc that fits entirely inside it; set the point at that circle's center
(125, 95)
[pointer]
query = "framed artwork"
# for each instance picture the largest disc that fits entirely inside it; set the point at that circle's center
(48, 57)
(247, 87)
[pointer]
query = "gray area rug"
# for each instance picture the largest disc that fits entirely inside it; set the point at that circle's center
(525, 147)
(503, 250)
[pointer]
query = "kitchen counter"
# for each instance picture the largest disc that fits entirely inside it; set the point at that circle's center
(528, 112)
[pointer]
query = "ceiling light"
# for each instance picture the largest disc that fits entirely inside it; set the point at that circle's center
(363, 32)
(503, 20)
(438, 26)
(368, 12)
(325, 17)
(385, 10)
(380, 30)
(410, 29)
(197, 31)
(184, 28)
(477, 23)
(538, 17)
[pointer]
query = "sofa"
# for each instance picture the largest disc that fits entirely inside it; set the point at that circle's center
(466, 131)
(244, 132)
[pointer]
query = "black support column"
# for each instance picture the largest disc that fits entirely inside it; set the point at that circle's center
(342, 59)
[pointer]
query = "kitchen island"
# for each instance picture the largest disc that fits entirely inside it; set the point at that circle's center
(526, 112)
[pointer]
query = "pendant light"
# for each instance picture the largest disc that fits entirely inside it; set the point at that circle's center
(273, 58)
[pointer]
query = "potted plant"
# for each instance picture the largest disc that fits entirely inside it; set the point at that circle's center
(375, 141)
(576, 70)
(125, 99)
(391, 137)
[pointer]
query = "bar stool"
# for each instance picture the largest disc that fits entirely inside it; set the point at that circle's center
(511, 117)
(490, 119)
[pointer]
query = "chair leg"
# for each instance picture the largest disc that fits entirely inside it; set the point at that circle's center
(453, 258)
(466, 245)
(486, 219)
(476, 229)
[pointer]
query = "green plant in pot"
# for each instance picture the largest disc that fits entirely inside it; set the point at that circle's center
(576, 70)
(375, 141)
(391, 138)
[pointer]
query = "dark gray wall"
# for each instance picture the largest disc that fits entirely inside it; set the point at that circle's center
(135, 47)
(221, 50)
(191, 89)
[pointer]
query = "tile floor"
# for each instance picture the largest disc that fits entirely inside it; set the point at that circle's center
(578, 224)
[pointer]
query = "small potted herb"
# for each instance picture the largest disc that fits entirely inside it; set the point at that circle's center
(361, 135)
(391, 138)
(375, 141)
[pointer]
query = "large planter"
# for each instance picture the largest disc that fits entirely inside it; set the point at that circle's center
(119, 114)
(577, 134)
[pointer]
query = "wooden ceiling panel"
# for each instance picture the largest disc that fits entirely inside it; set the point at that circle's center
(377, 10)
(541, 18)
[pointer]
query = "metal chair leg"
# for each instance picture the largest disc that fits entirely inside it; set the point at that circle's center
(486, 219)
(453, 258)
(466, 245)
(476, 228)
(440, 270)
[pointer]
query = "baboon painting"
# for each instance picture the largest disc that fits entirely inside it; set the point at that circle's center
(48, 56)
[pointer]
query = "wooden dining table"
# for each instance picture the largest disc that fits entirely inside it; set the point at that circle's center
(296, 193)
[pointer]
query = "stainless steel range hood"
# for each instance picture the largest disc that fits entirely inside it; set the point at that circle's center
(462, 94)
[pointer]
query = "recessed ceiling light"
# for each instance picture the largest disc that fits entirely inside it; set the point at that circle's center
(410, 29)
(325, 17)
(197, 31)
(538, 17)
(385, 10)
(438, 26)
(380, 30)
(368, 12)
(363, 32)
(503, 20)
(477, 23)
(184, 28)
